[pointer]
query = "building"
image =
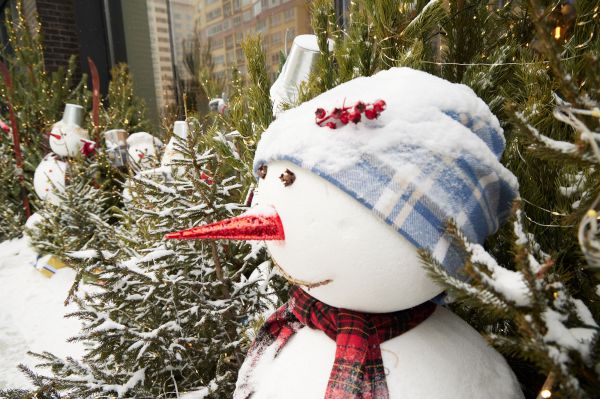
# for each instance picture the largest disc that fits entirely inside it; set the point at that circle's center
(183, 28)
(147, 34)
(158, 17)
(225, 23)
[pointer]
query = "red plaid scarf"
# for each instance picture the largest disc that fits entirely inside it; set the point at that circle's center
(358, 368)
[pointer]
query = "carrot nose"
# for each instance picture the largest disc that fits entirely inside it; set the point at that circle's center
(256, 224)
(56, 136)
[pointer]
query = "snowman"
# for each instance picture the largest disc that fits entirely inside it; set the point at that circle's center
(143, 149)
(67, 137)
(344, 205)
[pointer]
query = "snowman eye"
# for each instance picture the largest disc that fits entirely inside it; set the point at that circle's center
(262, 171)
(288, 178)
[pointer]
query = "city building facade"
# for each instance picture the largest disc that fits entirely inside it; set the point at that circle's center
(223, 24)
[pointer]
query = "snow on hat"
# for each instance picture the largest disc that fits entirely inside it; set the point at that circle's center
(431, 156)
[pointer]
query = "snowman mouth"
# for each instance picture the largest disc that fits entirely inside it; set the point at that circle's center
(303, 283)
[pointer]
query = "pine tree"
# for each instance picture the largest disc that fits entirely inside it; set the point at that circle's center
(168, 316)
(38, 99)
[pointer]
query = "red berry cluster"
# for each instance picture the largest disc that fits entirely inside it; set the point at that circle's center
(349, 114)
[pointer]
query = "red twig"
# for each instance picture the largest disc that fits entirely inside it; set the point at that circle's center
(16, 139)
(95, 99)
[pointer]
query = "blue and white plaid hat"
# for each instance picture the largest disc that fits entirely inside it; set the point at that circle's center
(431, 156)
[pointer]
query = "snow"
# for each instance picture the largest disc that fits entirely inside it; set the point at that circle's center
(509, 283)
(32, 313)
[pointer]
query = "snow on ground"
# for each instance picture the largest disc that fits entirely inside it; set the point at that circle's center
(31, 312)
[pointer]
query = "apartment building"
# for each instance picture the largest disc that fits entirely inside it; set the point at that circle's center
(182, 29)
(225, 23)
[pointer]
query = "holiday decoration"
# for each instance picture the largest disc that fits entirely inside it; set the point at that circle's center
(217, 105)
(180, 132)
(67, 136)
(363, 201)
(349, 114)
(49, 178)
(296, 69)
(116, 146)
(143, 149)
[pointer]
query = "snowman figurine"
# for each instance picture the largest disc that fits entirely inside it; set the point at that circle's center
(143, 149)
(67, 137)
(344, 204)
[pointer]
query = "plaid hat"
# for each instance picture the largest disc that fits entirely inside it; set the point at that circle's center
(432, 155)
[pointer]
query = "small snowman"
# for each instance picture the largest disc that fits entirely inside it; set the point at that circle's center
(345, 201)
(143, 150)
(180, 133)
(67, 137)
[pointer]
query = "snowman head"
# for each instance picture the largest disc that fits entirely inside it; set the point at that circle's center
(67, 137)
(345, 210)
(143, 149)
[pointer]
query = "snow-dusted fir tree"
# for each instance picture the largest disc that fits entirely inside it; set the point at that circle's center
(167, 316)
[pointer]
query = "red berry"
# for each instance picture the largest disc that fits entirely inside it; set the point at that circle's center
(355, 117)
(371, 113)
(344, 117)
(331, 125)
(336, 112)
(360, 106)
(320, 113)
(379, 105)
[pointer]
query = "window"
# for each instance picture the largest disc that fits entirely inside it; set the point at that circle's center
(213, 30)
(236, 20)
(275, 58)
(275, 19)
(219, 59)
(216, 43)
(289, 14)
(207, 2)
(214, 14)
(229, 41)
(276, 38)
(227, 9)
(247, 15)
(261, 25)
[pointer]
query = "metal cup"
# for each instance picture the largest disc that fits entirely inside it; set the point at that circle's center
(116, 146)
(180, 129)
(298, 65)
(73, 114)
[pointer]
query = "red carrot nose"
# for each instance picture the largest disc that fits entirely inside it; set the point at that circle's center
(255, 224)
(141, 155)
(56, 136)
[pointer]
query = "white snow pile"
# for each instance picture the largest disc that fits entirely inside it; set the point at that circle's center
(31, 313)
(509, 283)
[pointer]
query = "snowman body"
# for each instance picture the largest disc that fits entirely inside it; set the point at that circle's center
(49, 178)
(356, 261)
(443, 357)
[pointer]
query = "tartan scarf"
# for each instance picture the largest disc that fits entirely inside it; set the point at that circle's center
(358, 367)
